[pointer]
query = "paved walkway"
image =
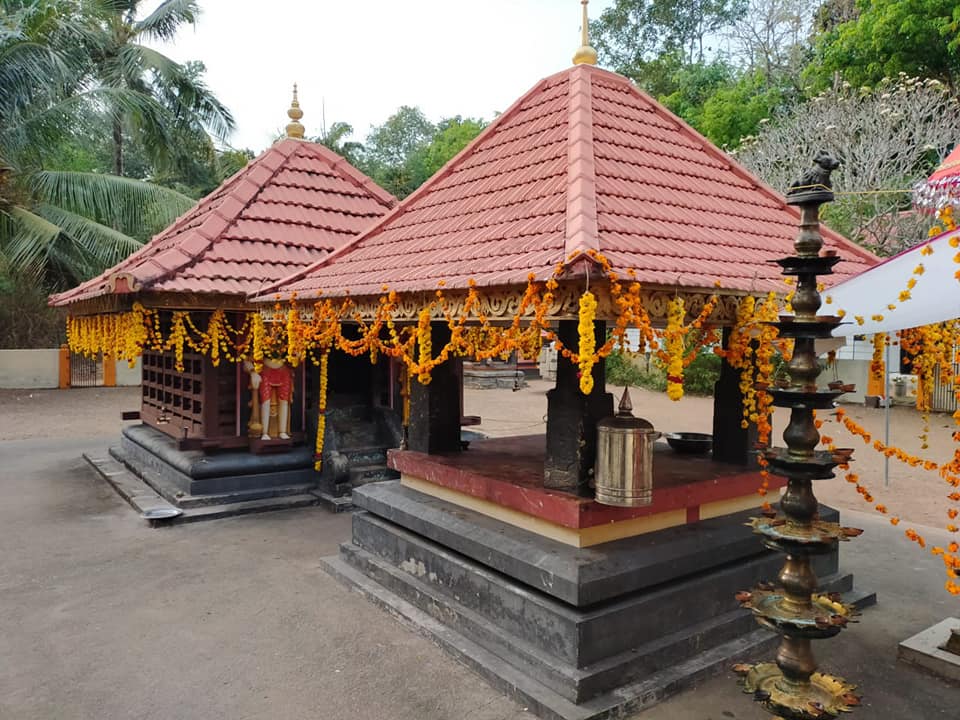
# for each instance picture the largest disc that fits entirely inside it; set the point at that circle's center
(103, 617)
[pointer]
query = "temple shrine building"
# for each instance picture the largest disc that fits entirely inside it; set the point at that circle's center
(582, 609)
(200, 416)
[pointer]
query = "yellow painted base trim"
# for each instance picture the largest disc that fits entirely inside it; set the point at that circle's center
(585, 537)
(730, 506)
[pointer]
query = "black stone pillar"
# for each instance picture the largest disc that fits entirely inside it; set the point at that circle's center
(731, 442)
(435, 408)
(572, 417)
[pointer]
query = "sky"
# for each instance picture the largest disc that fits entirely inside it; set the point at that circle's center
(360, 60)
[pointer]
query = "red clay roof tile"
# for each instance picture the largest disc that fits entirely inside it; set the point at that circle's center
(583, 160)
(288, 208)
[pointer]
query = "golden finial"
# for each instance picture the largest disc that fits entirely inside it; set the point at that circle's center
(585, 55)
(294, 128)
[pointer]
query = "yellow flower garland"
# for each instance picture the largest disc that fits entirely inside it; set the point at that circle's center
(673, 340)
(321, 412)
(587, 341)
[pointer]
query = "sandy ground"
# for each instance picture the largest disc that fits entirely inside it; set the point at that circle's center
(105, 618)
(915, 495)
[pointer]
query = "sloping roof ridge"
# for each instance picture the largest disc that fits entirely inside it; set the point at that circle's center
(719, 155)
(222, 218)
(196, 241)
(581, 233)
(402, 206)
(345, 169)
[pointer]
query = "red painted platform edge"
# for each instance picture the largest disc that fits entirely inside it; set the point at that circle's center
(563, 508)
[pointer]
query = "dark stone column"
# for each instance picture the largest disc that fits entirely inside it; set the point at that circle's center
(572, 417)
(435, 408)
(731, 442)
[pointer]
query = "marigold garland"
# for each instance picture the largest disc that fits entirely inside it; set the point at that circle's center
(673, 341)
(877, 364)
(321, 412)
(296, 336)
(587, 341)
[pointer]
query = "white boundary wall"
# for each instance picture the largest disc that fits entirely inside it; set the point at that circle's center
(28, 369)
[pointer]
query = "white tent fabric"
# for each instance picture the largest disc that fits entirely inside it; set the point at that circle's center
(935, 298)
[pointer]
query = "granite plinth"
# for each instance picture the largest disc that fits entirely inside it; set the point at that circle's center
(194, 477)
(509, 472)
(575, 632)
(928, 649)
(483, 377)
(577, 576)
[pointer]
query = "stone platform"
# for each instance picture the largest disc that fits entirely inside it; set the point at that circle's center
(481, 376)
(503, 478)
(575, 633)
(205, 484)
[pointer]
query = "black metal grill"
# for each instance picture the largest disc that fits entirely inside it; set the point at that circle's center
(944, 395)
(86, 371)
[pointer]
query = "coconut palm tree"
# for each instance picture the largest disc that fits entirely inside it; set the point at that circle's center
(335, 138)
(63, 226)
(121, 60)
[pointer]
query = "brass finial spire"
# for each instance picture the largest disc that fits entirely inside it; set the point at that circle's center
(585, 55)
(294, 128)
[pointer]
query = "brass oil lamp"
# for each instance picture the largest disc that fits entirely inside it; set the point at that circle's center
(791, 688)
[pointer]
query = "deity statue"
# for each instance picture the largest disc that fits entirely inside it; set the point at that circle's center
(273, 384)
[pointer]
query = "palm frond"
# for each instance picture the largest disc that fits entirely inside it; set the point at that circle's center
(181, 89)
(28, 241)
(139, 208)
(162, 23)
(102, 245)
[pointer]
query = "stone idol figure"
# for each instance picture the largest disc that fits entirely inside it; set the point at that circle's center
(273, 387)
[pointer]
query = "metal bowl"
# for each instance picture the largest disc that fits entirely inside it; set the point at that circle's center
(155, 514)
(690, 443)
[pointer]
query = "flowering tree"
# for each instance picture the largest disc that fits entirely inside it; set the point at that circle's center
(887, 137)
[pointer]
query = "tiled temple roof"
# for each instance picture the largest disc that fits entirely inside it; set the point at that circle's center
(582, 161)
(294, 204)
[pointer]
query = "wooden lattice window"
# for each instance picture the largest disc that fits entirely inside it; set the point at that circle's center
(173, 401)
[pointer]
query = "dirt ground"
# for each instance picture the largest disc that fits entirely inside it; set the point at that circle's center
(105, 617)
(913, 494)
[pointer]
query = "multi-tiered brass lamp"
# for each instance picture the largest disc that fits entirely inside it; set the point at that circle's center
(791, 688)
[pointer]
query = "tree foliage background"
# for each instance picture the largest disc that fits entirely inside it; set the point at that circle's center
(774, 81)
(104, 140)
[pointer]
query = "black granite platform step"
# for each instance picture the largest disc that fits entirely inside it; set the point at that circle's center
(578, 636)
(334, 503)
(170, 491)
(577, 652)
(579, 576)
(364, 474)
(144, 499)
(195, 472)
(536, 696)
(366, 455)
(577, 684)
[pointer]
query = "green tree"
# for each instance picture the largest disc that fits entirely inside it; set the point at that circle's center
(693, 85)
(916, 37)
(336, 137)
(736, 111)
(633, 36)
(392, 151)
(887, 138)
(61, 225)
(453, 134)
(174, 98)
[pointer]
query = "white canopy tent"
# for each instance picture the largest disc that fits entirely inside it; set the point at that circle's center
(935, 298)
